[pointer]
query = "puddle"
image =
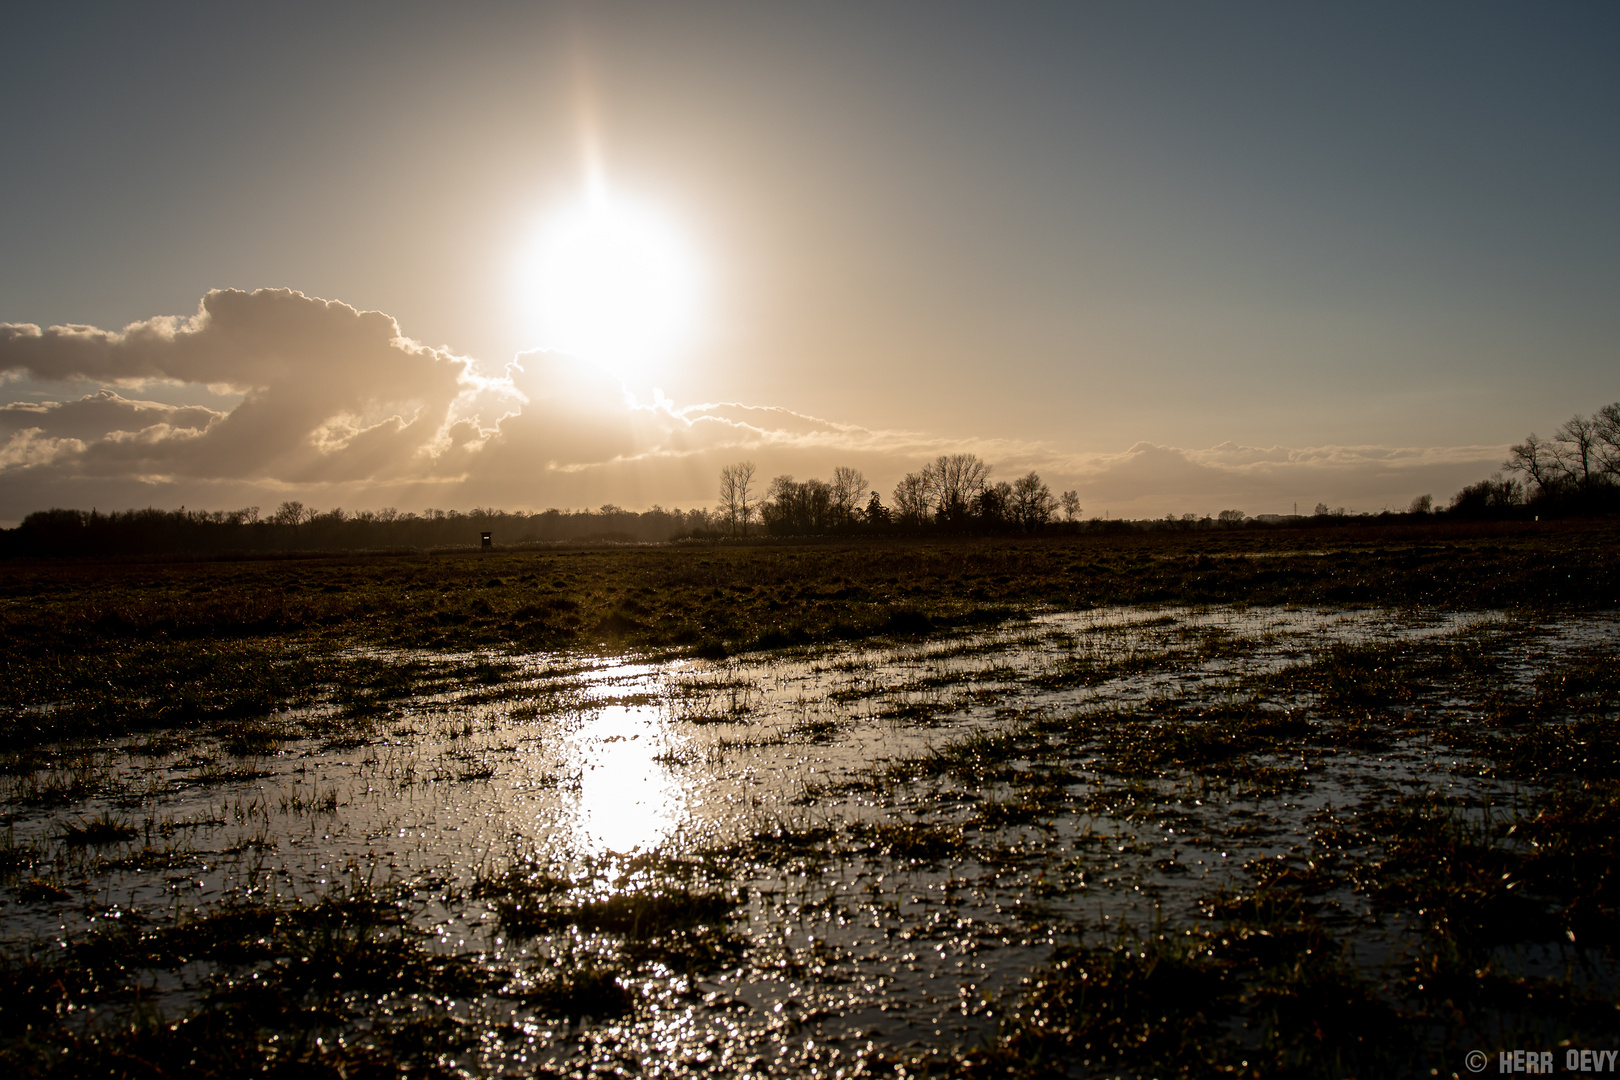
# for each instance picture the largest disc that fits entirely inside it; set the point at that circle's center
(876, 893)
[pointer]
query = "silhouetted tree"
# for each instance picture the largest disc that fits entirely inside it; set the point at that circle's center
(877, 515)
(776, 508)
(1423, 504)
(994, 507)
(791, 507)
(290, 513)
(1578, 466)
(1574, 448)
(1535, 459)
(736, 494)
(1032, 502)
(911, 500)
(954, 482)
(1488, 498)
(1607, 423)
(1071, 505)
(848, 489)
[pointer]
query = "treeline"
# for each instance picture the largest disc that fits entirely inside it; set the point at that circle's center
(1575, 473)
(295, 527)
(952, 493)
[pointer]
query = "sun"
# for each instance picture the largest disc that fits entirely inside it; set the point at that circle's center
(613, 282)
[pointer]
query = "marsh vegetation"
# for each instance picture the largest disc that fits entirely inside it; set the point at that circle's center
(1116, 807)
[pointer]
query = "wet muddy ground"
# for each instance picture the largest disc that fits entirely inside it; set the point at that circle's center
(1124, 841)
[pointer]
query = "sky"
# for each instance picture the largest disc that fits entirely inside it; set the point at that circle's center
(1178, 257)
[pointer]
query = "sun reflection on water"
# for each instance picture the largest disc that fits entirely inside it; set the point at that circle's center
(628, 799)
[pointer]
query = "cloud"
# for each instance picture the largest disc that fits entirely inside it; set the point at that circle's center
(31, 448)
(329, 393)
(1150, 479)
(338, 407)
(100, 413)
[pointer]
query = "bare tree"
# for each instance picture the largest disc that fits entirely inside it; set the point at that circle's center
(816, 506)
(1032, 502)
(777, 508)
(1423, 504)
(746, 499)
(848, 490)
(911, 499)
(1607, 424)
(1488, 496)
(1071, 505)
(291, 513)
(728, 498)
(736, 496)
(1535, 459)
(1583, 455)
(954, 481)
(791, 507)
(1576, 442)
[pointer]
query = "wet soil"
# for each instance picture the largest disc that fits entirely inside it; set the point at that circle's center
(1132, 840)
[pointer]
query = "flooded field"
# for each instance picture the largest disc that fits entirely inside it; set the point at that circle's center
(1123, 841)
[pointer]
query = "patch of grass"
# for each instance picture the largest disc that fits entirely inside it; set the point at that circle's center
(982, 757)
(102, 829)
(1268, 994)
(818, 729)
(1355, 677)
(1538, 874)
(277, 983)
(253, 737)
(651, 908)
(784, 846)
(39, 890)
(1025, 804)
(912, 842)
(641, 914)
(583, 992)
(16, 858)
(58, 787)
(1213, 739)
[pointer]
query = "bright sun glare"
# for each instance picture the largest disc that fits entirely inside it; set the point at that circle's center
(612, 282)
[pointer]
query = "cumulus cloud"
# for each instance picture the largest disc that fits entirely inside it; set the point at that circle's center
(329, 393)
(101, 413)
(337, 406)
